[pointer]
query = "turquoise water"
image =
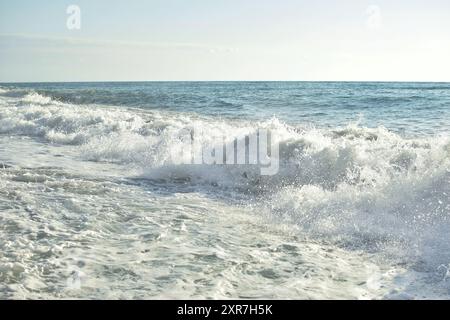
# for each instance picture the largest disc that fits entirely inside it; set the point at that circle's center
(92, 204)
(413, 108)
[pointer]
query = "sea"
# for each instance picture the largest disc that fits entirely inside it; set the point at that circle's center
(93, 204)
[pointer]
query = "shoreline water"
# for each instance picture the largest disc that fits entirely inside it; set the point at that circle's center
(90, 199)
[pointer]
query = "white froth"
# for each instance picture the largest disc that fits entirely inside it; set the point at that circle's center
(354, 212)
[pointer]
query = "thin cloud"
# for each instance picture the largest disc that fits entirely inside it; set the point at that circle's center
(82, 42)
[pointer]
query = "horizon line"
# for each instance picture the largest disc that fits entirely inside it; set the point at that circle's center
(143, 81)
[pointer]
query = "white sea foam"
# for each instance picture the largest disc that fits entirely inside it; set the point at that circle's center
(36, 98)
(361, 189)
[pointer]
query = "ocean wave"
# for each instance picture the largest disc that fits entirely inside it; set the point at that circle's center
(362, 188)
(365, 188)
(332, 160)
(36, 98)
(323, 157)
(40, 116)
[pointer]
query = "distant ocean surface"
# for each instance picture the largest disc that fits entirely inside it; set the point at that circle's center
(91, 205)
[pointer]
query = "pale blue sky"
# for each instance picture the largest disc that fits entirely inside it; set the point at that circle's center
(226, 40)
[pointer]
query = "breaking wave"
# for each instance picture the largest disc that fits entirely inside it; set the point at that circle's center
(361, 187)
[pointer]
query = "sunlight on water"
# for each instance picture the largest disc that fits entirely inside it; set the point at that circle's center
(92, 206)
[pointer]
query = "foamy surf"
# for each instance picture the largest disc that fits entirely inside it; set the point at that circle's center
(91, 190)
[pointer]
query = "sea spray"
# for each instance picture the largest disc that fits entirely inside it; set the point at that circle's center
(353, 211)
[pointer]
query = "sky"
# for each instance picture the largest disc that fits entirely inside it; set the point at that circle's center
(166, 40)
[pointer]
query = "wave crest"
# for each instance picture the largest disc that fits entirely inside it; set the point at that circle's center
(360, 187)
